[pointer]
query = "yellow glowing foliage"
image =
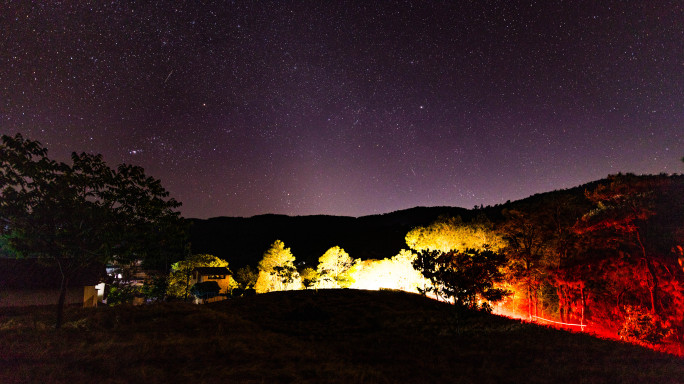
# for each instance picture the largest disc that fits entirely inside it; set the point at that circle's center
(179, 278)
(453, 235)
(277, 271)
(333, 268)
(395, 273)
(309, 277)
(276, 256)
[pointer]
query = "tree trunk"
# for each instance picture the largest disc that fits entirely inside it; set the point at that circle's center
(562, 306)
(566, 303)
(538, 304)
(187, 285)
(529, 301)
(60, 303)
(559, 293)
(583, 304)
(653, 280)
(651, 290)
(653, 285)
(617, 304)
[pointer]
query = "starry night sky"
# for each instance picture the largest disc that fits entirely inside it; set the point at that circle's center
(350, 107)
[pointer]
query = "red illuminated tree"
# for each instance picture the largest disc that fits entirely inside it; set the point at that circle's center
(557, 217)
(525, 250)
(620, 222)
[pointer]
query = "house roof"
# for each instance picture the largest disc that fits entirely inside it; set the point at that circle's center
(41, 273)
(206, 271)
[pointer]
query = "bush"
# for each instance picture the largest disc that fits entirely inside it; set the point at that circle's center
(643, 327)
(155, 289)
(121, 294)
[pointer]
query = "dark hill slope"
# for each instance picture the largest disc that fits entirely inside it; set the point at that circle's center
(336, 336)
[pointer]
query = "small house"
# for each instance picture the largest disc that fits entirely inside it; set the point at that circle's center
(26, 282)
(220, 275)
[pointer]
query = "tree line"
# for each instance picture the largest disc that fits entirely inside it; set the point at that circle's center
(611, 257)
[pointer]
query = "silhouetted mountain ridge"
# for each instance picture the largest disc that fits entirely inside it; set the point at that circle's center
(243, 240)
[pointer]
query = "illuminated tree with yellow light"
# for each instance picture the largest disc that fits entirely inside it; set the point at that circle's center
(374, 275)
(395, 273)
(408, 278)
(309, 277)
(277, 271)
(179, 278)
(452, 234)
(333, 269)
(246, 277)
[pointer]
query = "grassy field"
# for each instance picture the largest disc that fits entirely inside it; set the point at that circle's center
(335, 336)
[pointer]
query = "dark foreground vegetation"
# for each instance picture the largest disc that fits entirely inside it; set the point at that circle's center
(338, 336)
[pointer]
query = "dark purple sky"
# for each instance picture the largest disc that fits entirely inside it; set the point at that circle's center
(350, 108)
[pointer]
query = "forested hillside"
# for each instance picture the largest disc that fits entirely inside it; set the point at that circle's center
(607, 254)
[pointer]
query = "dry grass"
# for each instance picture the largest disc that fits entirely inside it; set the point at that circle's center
(336, 336)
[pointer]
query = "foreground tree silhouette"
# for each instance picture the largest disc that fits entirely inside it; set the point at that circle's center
(80, 213)
(468, 277)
